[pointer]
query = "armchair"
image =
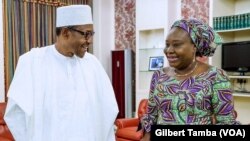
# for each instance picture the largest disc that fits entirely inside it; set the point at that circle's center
(5, 134)
(127, 127)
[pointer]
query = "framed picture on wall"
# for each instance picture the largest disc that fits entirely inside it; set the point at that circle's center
(156, 62)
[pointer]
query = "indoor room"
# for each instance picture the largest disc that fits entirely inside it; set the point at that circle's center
(132, 66)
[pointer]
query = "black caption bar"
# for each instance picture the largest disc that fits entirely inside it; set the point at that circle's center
(214, 132)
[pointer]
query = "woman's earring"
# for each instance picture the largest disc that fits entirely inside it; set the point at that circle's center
(194, 58)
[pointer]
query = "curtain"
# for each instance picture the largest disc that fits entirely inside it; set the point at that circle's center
(28, 24)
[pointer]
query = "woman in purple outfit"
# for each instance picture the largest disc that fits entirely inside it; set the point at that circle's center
(189, 92)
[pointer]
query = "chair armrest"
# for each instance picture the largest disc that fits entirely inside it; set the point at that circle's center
(2, 111)
(5, 133)
(128, 122)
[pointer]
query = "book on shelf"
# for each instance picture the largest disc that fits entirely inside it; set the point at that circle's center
(232, 22)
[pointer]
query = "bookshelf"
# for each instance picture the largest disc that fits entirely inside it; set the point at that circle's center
(151, 45)
(239, 31)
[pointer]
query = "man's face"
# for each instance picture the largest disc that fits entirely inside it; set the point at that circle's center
(82, 37)
(179, 49)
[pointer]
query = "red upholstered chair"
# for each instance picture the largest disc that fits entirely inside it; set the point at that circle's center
(5, 134)
(127, 127)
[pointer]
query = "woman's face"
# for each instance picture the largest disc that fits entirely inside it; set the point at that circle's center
(179, 50)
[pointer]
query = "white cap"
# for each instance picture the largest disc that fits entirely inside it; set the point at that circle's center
(73, 15)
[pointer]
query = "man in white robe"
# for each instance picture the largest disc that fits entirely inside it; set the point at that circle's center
(61, 92)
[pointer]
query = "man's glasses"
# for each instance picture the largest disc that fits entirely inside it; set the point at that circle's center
(86, 34)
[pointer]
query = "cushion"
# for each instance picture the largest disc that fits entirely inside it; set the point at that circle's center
(129, 133)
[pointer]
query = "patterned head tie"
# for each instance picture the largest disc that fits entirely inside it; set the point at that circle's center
(203, 36)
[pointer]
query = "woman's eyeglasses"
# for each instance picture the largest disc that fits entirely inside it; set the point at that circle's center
(86, 34)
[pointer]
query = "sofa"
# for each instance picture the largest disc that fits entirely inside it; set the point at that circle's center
(127, 127)
(5, 134)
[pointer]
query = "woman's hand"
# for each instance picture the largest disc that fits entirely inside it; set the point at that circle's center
(146, 137)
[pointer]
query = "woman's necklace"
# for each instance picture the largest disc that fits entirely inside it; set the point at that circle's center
(186, 74)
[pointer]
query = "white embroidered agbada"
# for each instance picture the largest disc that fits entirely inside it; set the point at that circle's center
(58, 98)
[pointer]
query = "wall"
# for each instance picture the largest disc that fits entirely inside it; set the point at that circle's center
(103, 16)
(174, 13)
(242, 6)
(1, 56)
(195, 9)
(151, 14)
(125, 24)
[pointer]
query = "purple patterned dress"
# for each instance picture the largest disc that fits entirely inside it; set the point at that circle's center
(190, 101)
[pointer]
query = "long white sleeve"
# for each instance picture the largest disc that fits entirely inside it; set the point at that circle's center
(19, 105)
(16, 121)
(108, 106)
(46, 105)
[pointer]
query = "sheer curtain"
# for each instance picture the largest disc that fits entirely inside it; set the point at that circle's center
(28, 24)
